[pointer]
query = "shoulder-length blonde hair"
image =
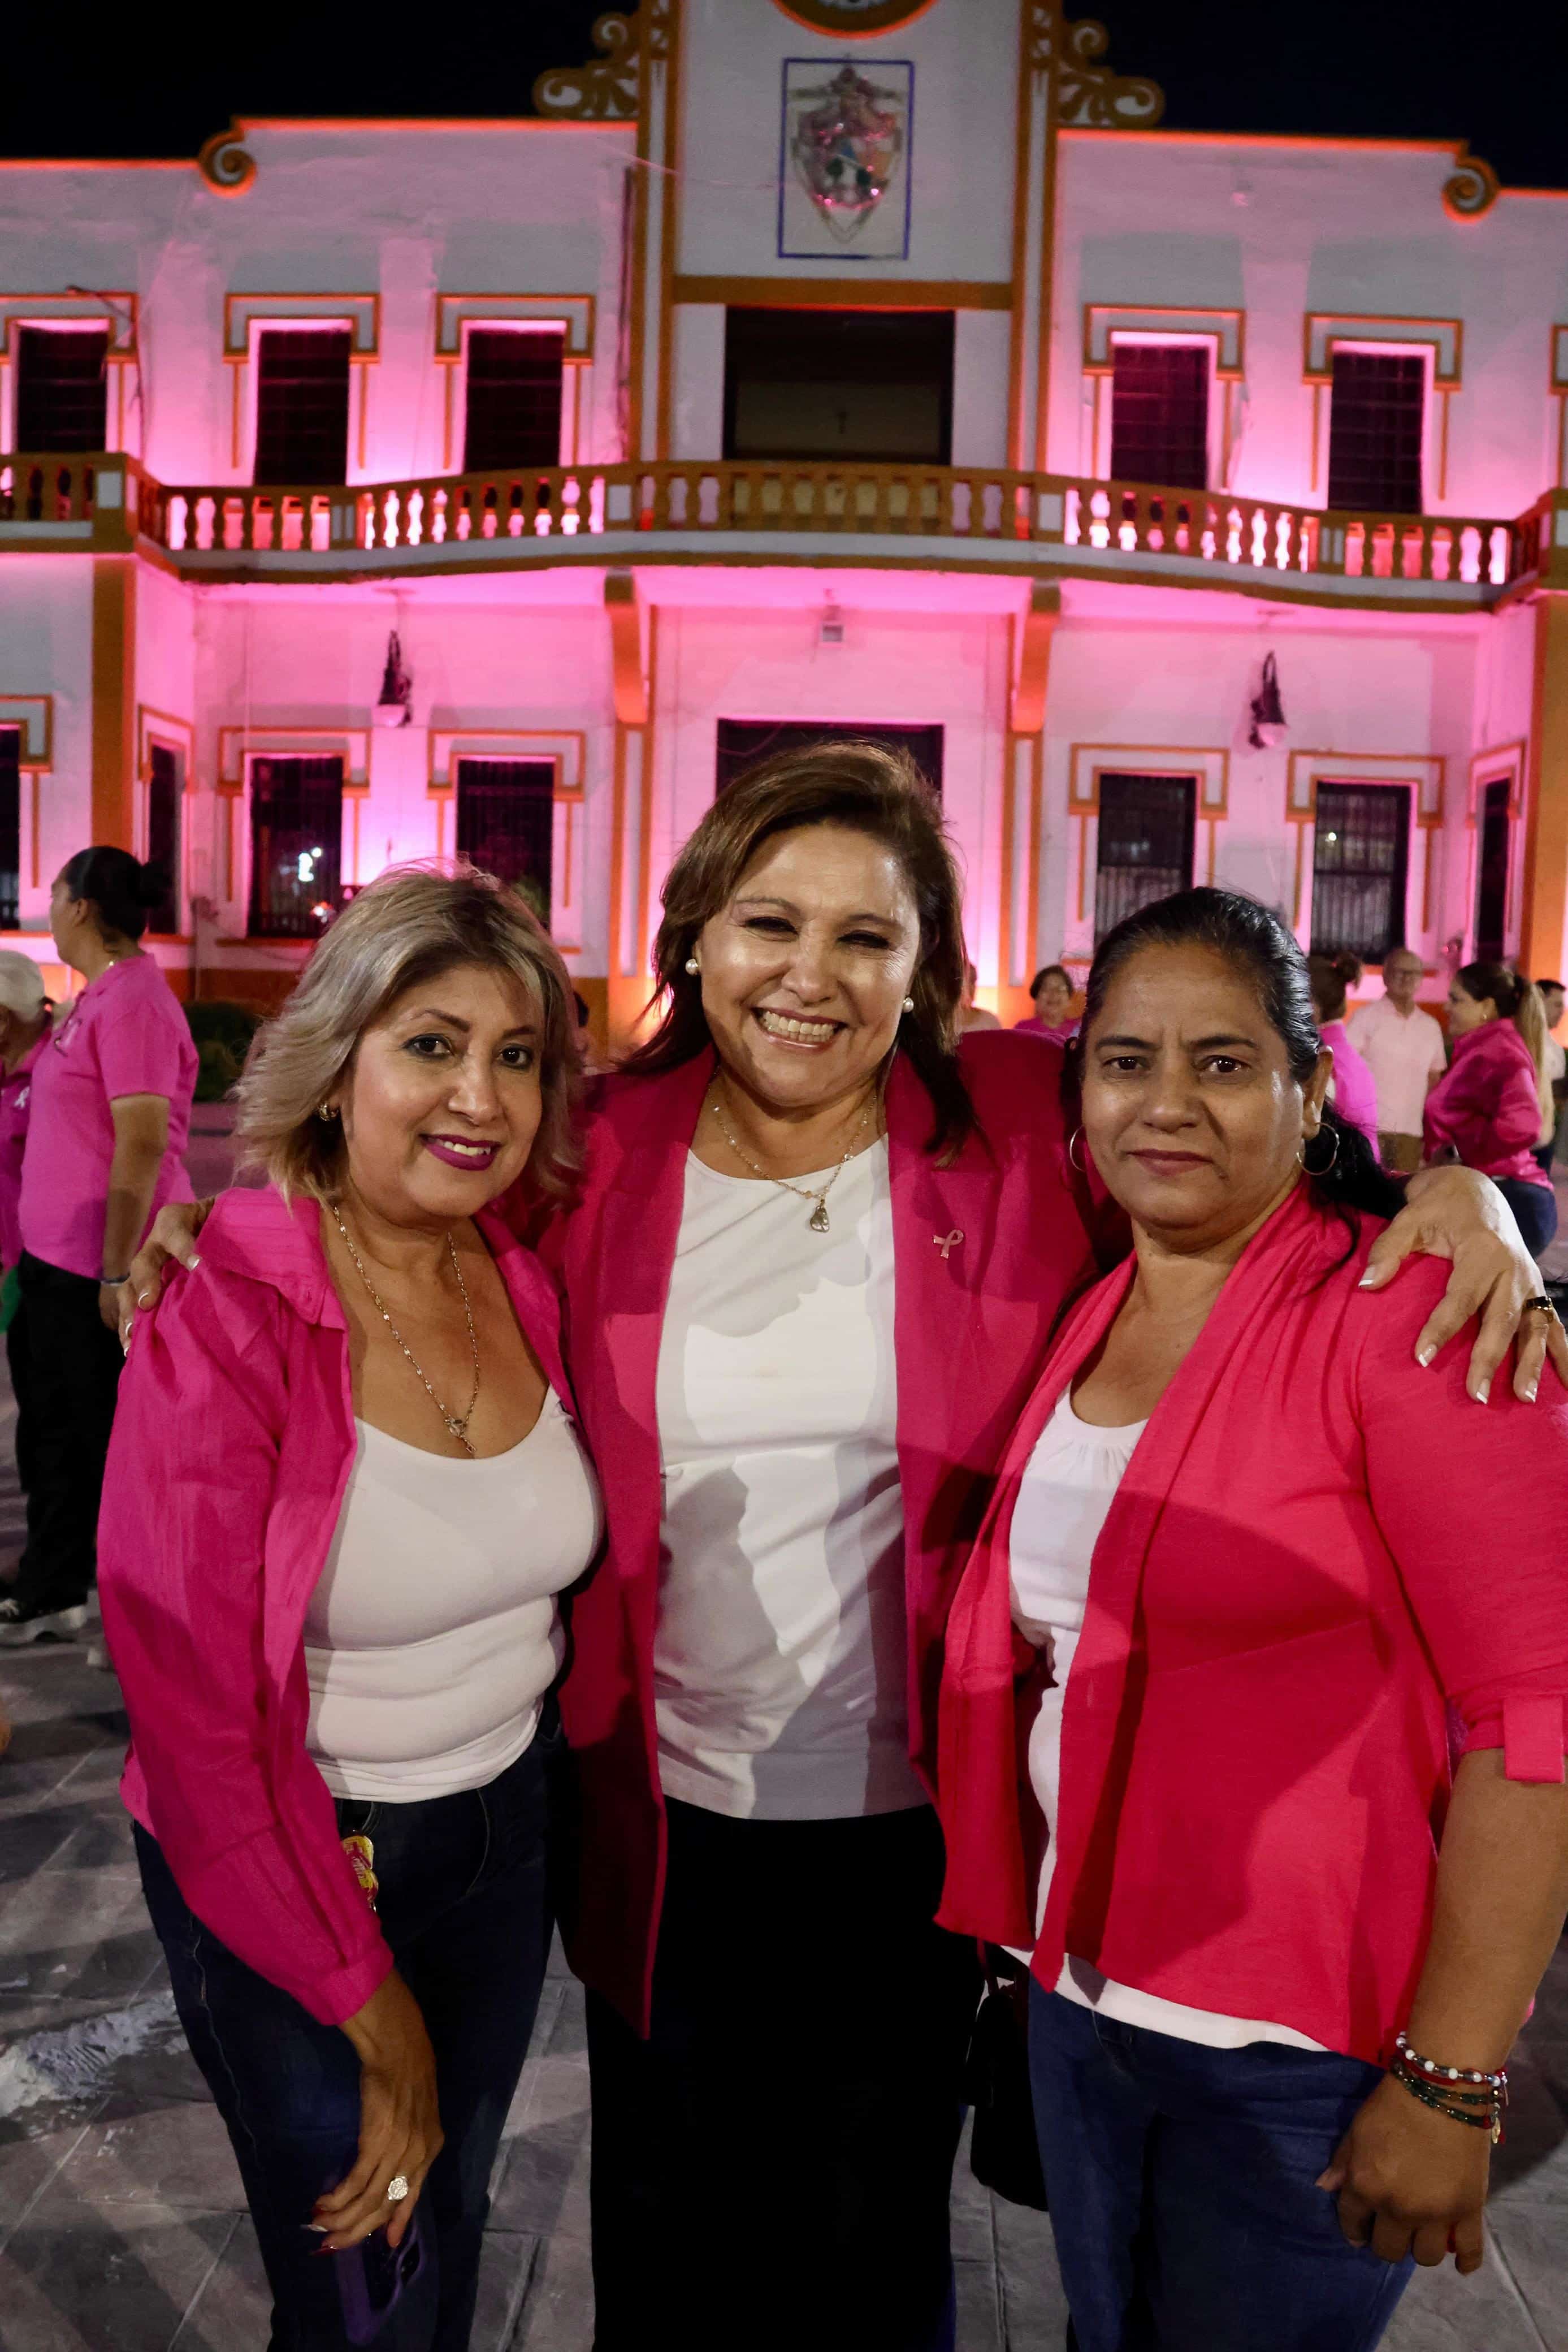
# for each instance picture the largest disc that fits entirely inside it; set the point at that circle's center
(409, 926)
(867, 788)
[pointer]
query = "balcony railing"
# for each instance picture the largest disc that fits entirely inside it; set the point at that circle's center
(952, 514)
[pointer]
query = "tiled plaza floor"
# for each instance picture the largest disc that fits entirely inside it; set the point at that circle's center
(121, 2227)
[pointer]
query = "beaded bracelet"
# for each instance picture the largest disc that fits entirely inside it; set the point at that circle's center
(1489, 2122)
(1429, 2066)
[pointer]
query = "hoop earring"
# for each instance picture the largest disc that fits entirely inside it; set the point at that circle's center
(1071, 1140)
(693, 966)
(326, 1112)
(1333, 1156)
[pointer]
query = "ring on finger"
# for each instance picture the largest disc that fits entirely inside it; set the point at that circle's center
(397, 2189)
(1540, 1305)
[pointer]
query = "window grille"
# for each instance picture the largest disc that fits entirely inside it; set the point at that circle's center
(1492, 901)
(515, 378)
(742, 742)
(1159, 415)
(1360, 862)
(1375, 432)
(302, 405)
(1145, 844)
(62, 399)
(505, 823)
(163, 834)
(295, 838)
(10, 828)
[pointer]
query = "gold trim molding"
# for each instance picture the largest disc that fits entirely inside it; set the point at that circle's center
(846, 294)
(33, 715)
(1322, 330)
(238, 744)
(360, 313)
(575, 312)
(567, 746)
(1227, 329)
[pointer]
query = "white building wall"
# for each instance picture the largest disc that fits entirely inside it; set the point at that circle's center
(45, 647)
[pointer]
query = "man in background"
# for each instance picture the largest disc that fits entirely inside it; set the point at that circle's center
(1403, 1047)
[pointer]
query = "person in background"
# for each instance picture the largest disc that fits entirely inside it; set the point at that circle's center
(970, 1015)
(1295, 1714)
(107, 1122)
(1554, 1070)
(343, 1494)
(1485, 1113)
(1352, 1090)
(1403, 1047)
(24, 1013)
(1051, 990)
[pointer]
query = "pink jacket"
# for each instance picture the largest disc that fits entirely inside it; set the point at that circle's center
(1487, 1108)
(1354, 1088)
(1322, 1566)
(233, 1438)
(986, 1253)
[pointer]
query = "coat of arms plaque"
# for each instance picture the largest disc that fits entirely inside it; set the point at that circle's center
(844, 183)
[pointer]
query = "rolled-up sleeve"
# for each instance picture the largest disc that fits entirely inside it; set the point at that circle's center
(243, 1816)
(1473, 1503)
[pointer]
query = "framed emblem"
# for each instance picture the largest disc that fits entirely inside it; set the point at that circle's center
(844, 166)
(853, 20)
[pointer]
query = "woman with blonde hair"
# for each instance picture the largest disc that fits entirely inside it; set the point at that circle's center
(343, 1495)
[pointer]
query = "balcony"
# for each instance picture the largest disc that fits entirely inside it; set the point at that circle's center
(940, 517)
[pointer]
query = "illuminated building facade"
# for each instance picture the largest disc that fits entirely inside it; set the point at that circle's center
(855, 363)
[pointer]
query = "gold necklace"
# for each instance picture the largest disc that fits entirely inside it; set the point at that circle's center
(456, 1423)
(819, 1221)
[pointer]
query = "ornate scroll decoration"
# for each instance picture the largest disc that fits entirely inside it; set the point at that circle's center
(1472, 188)
(1090, 96)
(608, 88)
(225, 163)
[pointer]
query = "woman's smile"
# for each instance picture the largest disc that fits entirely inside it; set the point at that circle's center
(797, 1029)
(459, 1151)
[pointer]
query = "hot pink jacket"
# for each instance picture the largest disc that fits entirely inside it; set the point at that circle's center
(985, 1251)
(233, 1438)
(1321, 1565)
(1486, 1107)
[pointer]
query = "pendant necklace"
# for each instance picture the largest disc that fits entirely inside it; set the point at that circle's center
(456, 1423)
(819, 1220)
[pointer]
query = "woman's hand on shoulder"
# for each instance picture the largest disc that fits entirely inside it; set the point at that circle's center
(1411, 2182)
(171, 1241)
(1454, 1212)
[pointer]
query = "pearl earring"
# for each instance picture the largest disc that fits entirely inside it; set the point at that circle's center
(909, 1004)
(693, 966)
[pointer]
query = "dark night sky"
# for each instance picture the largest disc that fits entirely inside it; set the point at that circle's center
(134, 84)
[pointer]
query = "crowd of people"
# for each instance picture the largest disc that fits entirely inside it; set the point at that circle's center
(821, 1506)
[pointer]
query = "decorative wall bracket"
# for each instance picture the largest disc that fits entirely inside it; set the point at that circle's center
(608, 88)
(1089, 96)
(225, 163)
(1471, 189)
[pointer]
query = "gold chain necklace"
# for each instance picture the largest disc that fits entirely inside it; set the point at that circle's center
(819, 1220)
(456, 1423)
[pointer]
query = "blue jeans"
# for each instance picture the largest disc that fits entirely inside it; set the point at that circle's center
(1535, 1208)
(464, 1903)
(1180, 2181)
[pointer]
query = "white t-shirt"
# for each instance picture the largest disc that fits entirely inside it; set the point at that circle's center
(1064, 1496)
(1402, 1051)
(778, 1661)
(433, 1633)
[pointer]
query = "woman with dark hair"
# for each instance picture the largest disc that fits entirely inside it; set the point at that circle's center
(1489, 1111)
(1267, 1575)
(817, 1255)
(110, 1109)
(1352, 1090)
(1051, 993)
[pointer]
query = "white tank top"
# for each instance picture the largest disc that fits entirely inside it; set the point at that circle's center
(433, 1633)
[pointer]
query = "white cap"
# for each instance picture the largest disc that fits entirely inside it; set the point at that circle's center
(21, 984)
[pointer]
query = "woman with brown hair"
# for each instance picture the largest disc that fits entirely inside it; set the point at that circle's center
(817, 1254)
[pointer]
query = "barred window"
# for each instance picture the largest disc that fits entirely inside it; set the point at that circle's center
(1492, 898)
(296, 837)
(302, 405)
(1159, 415)
(1145, 844)
(10, 828)
(1360, 862)
(62, 399)
(163, 834)
(1375, 432)
(515, 378)
(505, 823)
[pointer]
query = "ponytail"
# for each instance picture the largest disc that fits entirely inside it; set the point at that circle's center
(1519, 1000)
(122, 890)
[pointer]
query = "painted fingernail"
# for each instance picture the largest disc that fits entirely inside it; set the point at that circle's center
(1530, 1393)
(1368, 1281)
(142, 1298)
(320, 2228)
(1424, 1356)
(1483, 1393)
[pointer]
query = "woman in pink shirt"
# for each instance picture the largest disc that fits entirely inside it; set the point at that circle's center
(1487, 1111)
(1355, 1095)
(1051, 990)
(109, 1111)
(1251, 1579)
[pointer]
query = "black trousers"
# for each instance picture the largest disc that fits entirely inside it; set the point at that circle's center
(73, 1375)
(772, 2167)
(18, 1365)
